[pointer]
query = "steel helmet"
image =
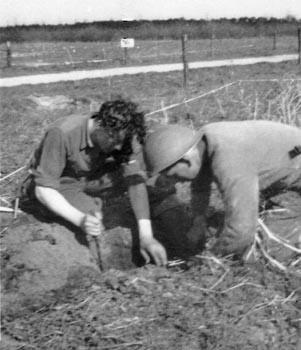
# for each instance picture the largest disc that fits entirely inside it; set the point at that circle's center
(167, 145)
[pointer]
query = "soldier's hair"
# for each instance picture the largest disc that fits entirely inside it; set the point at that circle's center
(121, 114)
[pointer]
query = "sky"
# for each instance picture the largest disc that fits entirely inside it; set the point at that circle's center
(17, 12)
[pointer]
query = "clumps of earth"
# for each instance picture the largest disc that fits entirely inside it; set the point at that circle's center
(61, 102)
(60, 292)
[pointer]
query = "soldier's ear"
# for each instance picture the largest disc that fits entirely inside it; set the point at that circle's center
(186, 160)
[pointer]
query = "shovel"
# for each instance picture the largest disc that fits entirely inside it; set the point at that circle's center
(95, 241)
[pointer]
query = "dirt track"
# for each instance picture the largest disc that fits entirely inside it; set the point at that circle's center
(103, 73)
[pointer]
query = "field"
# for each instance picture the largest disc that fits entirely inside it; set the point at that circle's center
(34, 58)
(206, 304)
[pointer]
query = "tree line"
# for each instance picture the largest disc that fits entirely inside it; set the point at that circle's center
(152, 30)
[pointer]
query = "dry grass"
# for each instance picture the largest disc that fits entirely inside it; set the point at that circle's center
(289, 103)
(214, 305)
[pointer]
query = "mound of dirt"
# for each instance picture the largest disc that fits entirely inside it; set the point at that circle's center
(39, 257)
(51, 102)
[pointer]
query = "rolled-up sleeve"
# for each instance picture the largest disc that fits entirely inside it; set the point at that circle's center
(51, 160)
(134, 170)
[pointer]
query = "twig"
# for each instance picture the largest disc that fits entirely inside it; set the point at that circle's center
(4, 200)
(16, 207)
(252, 250)
(206, 290)
(271, 211)
(288, 298)
(82, 303)
(26, 345)
(2, 231)
(269, 258)
(219, 280)
(294, 263)
(127, 323)
(123, 345)
(256, 308)
(164, 112)
(241, 284)
(275, 238)
(213, 258)
(141, 280)
(292, 233)
(13, 173)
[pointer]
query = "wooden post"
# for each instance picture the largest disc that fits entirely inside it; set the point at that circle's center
(125, 55)
(299, 45)
(8, 54)
(184, 58)
(211, 43)
(274, 41)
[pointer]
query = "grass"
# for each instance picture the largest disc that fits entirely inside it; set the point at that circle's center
(23, 122)
(29, 58)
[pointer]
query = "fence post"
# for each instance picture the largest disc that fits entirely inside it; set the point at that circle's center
(125, 55)
(8, 54)
(274, 41)
(184, 58)
(299, 45)
(211, 43)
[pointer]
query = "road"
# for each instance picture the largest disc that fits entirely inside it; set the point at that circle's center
(158, 68)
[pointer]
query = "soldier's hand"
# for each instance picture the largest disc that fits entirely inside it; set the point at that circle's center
(92, 224)
(151, 248)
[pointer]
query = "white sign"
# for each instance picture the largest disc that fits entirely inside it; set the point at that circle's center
(127, 42)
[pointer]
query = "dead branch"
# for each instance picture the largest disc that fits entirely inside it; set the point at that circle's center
(241, 284)
(275, 238)
(122, 345)
(213, 258)
(219, 280)
(268, 257)
(13, 173)
(294, 263)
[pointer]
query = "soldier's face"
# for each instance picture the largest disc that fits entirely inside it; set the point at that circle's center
(108, 140)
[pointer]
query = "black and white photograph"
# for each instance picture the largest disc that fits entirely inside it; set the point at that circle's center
(150, 174)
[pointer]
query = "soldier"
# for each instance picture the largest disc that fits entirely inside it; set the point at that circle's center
(79, 149)
(244, 159)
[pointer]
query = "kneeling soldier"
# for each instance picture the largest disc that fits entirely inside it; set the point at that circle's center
(244, 158)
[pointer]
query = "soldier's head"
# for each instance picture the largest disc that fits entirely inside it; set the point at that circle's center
(116, 123)
(173, 150)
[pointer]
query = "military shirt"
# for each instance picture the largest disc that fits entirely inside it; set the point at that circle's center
(245, 158)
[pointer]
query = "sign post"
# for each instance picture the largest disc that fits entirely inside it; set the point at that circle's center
(8, 54)
(126, 43)
(299, 45)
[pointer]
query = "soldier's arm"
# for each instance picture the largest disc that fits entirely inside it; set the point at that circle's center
(135, 178)
(49, 168)
(200, 196)
(241, 197)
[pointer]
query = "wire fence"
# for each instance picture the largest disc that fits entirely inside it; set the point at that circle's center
(270, 99)
(51, 55)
